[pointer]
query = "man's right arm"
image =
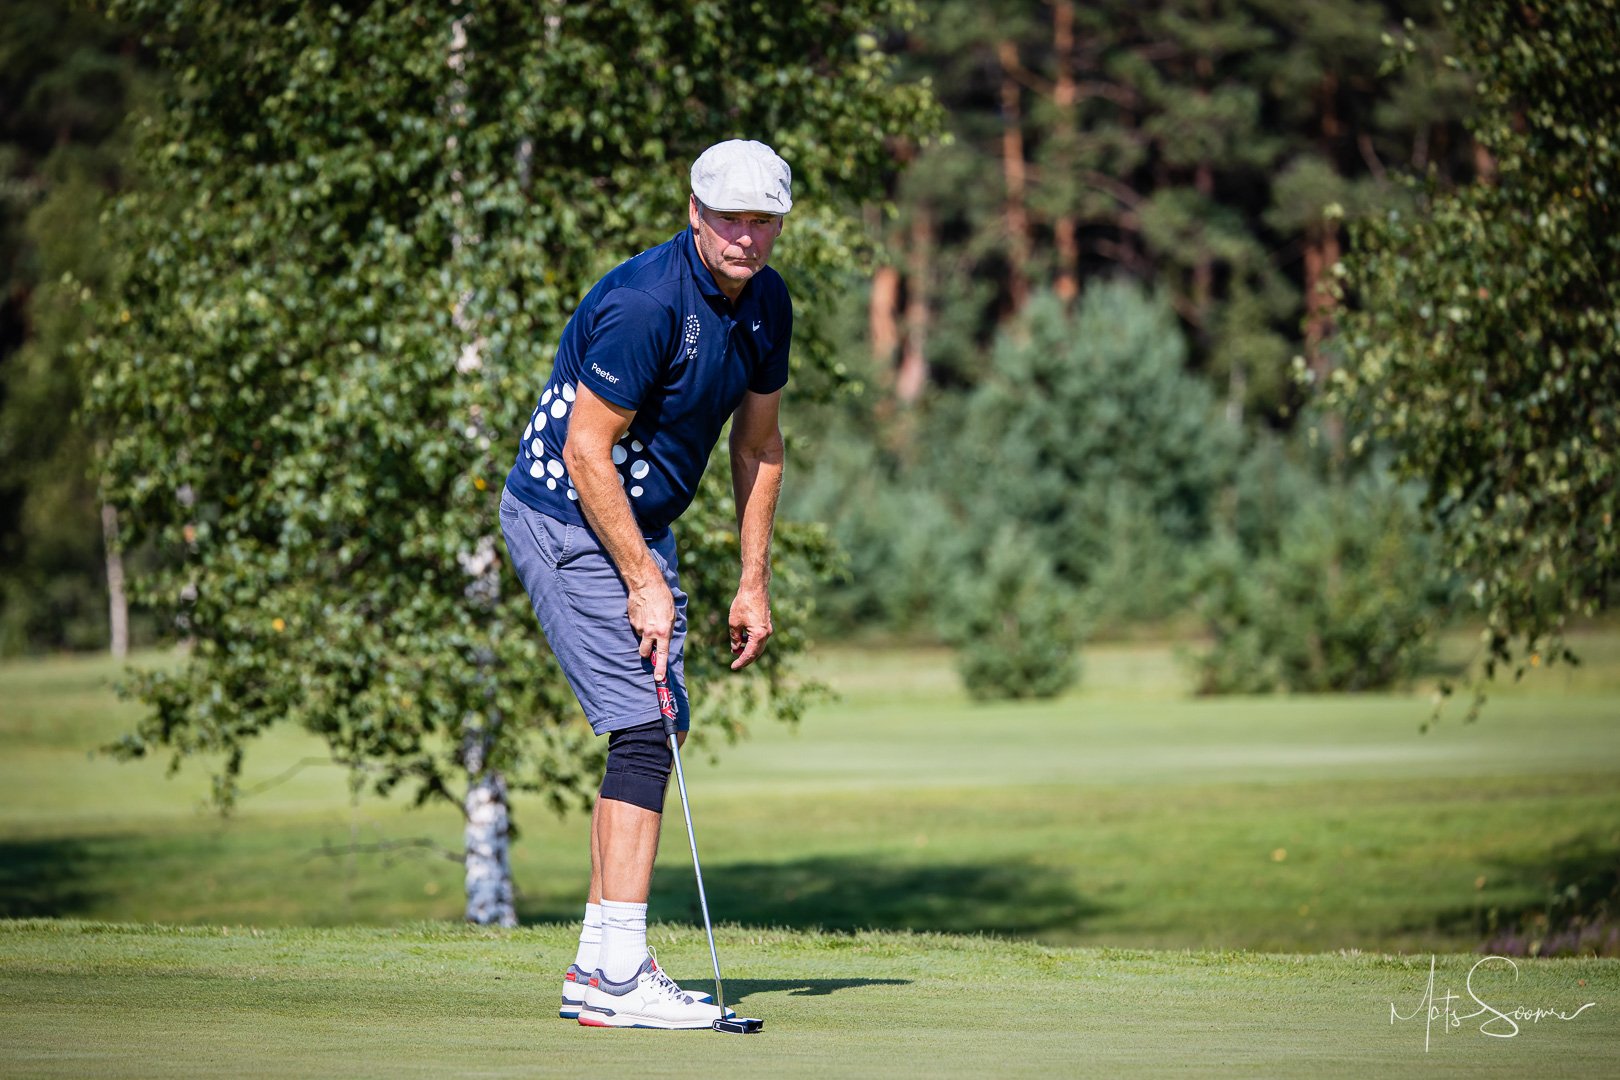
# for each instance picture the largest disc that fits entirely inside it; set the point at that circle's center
(593, 429)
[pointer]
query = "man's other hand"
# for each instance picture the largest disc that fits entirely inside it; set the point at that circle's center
(750, 626)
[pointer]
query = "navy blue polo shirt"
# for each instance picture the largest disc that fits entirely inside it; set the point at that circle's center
(658, 336)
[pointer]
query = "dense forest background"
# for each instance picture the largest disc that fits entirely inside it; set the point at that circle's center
(1082, 357)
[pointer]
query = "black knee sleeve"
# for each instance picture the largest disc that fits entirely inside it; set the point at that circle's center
(638, 764)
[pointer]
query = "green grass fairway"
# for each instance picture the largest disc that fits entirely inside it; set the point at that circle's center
(1125, 814)
(434, 1000)
(908, 882)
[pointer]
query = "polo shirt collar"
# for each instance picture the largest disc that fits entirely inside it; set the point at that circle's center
(705, 279)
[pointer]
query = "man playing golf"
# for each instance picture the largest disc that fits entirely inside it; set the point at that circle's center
(659, 355)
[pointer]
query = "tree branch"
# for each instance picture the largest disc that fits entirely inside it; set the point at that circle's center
(284, 776)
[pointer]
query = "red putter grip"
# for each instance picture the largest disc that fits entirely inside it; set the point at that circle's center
(666, 700)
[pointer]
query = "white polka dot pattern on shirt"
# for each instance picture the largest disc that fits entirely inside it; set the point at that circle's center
(690, 338)
(636, 467)
(553, 406)
(628, 453)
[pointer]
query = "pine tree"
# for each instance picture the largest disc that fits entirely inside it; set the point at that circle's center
(1202, 145)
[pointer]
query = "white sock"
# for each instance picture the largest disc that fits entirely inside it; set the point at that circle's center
(590, 939)
(624, 939)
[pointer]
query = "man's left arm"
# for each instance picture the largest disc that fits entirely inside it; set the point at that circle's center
(757, 455)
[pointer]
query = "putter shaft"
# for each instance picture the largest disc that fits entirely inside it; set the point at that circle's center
(691, 839)
(737, 1025)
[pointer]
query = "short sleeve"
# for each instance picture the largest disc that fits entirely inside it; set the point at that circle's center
(628, 347)
(772, 373)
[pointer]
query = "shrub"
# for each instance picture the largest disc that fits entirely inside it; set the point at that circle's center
(1015, 624)
(1343, 595)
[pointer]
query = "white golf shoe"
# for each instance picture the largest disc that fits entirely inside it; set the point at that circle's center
(573, 992)
(650, 999)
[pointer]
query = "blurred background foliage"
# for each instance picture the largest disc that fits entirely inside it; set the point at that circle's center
(1060, 399)
(68, 78)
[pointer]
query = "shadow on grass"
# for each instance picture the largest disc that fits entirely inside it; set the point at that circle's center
(45, 878)
(738, 990)
(1574, 909)
(1013, 898)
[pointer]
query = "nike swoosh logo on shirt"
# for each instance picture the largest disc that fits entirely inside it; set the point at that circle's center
(756, 326)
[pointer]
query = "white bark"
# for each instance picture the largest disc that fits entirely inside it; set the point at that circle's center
(489, 867)
(117, 600)
(488, 833)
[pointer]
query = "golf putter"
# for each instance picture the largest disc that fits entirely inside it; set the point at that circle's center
(735, 1025)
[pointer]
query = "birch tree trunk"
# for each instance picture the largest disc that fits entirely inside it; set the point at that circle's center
(490, 898)
(117, 600)
(490, 895)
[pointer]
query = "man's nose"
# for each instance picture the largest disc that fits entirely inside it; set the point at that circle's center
(744, 240)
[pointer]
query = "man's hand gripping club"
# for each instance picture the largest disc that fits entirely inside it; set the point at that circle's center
(651, 607)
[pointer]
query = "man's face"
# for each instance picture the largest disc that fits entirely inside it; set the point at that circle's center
(734, 245)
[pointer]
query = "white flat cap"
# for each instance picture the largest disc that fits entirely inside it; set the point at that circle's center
(741, 174)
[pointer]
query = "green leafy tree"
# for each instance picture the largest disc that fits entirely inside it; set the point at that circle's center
(357, 238)
(1483, 347)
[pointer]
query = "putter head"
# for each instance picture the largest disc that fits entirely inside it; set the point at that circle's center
(738, 1025)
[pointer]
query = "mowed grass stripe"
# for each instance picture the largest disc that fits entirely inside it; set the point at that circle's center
(1080, 740)
(415, 1001)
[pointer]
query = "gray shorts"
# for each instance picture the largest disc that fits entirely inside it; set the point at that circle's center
(580, 600)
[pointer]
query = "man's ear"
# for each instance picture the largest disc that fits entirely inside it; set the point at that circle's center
(692, 211)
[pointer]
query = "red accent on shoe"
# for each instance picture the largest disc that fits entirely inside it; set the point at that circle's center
(590, 1023)
(594, 982)
(569, 976)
